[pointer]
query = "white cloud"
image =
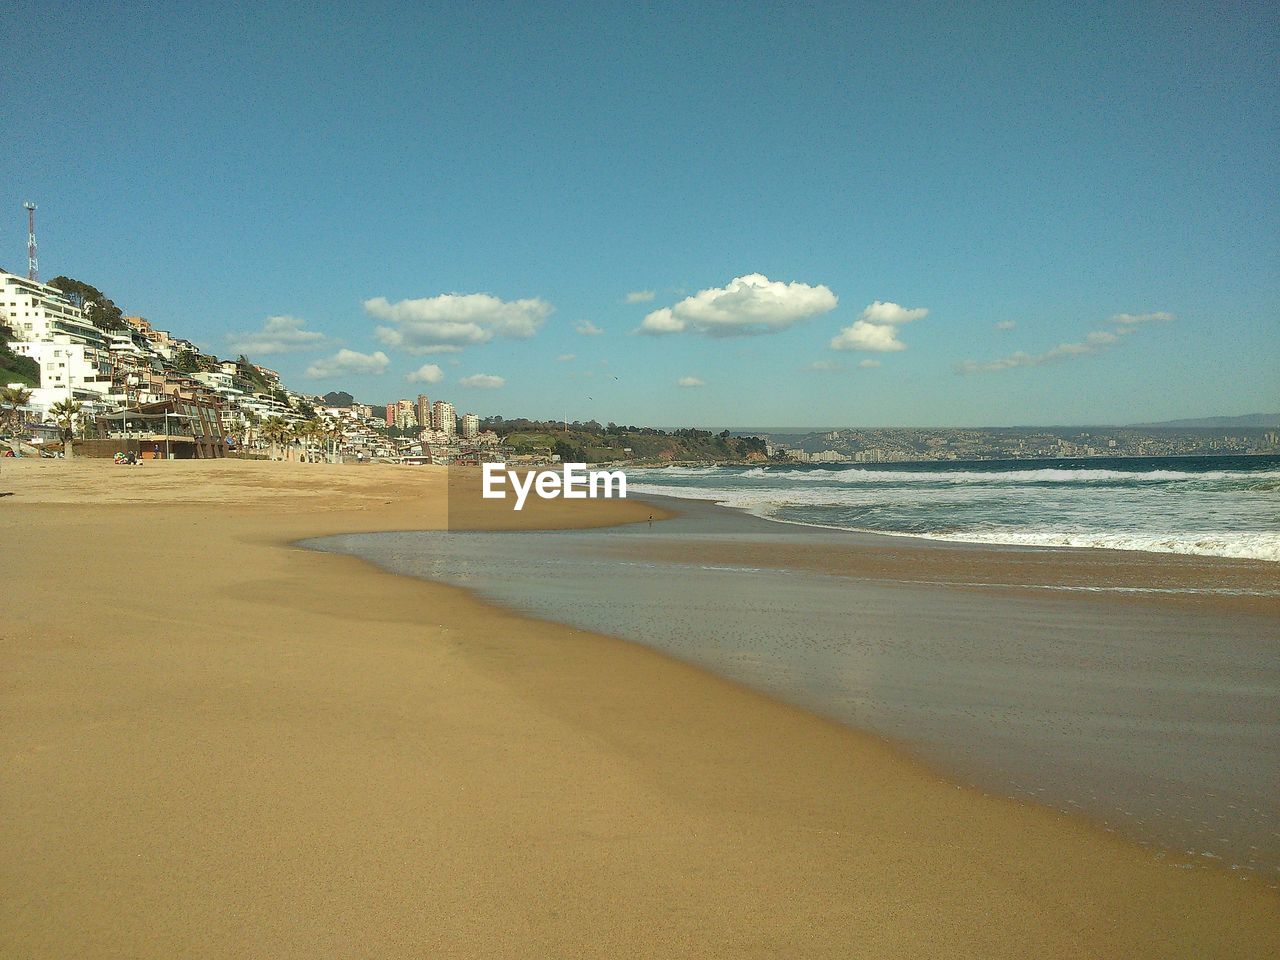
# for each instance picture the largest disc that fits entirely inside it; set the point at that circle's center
(876, 328)
(482, 381)
(433, 348)
(566, 357)
(825, 365)
(350, 362)
(278, 335)
(454, 320)
(1131, 319)
(427, 373)
(587, 328)
(1006, 324)
(749, 304)
(690, 382)
(868, 364)
(1094, 342)
(639, 296)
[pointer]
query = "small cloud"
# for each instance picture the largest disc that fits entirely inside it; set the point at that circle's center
(350, 362)
(825, 365)
(482, 381)
(876, 328)
(587, 328)
(436, 348)
(639, 296)
(868, 364)
(750, 304)
(278, 335)
(566, 357)
(1094, 342)
(455, 320)
(1006, 324)
(690, 382)
(427, 373)
(1132, 319)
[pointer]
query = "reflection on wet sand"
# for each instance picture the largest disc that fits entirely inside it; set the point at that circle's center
(1153, 717)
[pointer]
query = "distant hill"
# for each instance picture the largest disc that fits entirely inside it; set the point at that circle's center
(1252, 421)
(338, 398)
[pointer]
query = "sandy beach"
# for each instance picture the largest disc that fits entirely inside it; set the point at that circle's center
(219, 744)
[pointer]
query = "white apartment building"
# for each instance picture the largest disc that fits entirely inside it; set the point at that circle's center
(68, 371)
(470, 426)
(406, 415)
(72, 353)
(37, 312)
(443, 418)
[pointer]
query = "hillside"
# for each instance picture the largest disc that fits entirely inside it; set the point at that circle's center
(1253, 421)
(13, 368)
(593, 443)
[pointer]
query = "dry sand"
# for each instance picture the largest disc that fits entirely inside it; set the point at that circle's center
(218, 745)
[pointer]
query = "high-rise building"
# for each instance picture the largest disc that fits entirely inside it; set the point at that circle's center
(470, 426)
(424, 411)
(443, 418)
(391, 414)
(406, 419)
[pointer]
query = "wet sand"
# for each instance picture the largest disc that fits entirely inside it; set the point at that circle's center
(218, 744)
(1152, 708)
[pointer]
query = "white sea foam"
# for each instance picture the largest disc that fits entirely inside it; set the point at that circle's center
(1245, 546)
(1223, 513)
(1047, 475)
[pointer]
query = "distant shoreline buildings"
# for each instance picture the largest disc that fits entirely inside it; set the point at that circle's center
(145, 388)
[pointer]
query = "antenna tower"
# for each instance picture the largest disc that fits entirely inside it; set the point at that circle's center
(33, 265)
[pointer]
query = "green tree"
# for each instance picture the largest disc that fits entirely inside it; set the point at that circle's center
(98, 309)
(187, 361)
(569, 453)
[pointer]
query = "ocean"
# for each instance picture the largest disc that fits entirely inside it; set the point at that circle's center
(1212, 506)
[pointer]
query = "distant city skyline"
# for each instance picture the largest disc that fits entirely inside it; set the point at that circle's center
(759, 215)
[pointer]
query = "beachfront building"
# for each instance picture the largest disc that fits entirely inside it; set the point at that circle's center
(423, 410)
(174, 428)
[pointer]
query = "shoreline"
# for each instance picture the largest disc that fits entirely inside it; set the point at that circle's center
(1239, 583)
(713, 550)
(657, 773)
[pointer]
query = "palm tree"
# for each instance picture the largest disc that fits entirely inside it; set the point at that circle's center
(66, 414)
(336, 433)
(276, 432)
(317, 437)
(301, 434)
(249, 435)
(12, 400)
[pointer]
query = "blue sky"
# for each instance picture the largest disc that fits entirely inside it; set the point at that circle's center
(490, 178)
